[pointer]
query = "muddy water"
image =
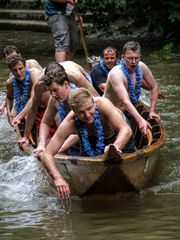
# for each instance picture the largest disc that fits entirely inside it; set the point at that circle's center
(30, 209)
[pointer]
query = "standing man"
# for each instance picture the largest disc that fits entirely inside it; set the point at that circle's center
(97, 122)
(124, 84)
(99, 73)
(61, 20)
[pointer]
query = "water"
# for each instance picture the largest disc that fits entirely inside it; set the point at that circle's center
(30, 208)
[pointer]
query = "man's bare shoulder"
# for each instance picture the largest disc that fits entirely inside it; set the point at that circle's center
(35, 74)
(101, 102)
(35, 70)
(115, 70)
(70, 66)
(115, 74)
(32, 63)
(144, 68)
(142, 65)
(39, 87)
(10, 80)
(69, 119)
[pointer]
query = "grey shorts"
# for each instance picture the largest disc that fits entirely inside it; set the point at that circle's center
(65, 32)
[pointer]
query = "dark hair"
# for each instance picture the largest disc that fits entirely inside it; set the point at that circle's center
(55, 72)
(9, 49)
(131, 45)
(110, 49)
(13, 60)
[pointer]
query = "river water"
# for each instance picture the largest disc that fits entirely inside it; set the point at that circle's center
(30, 208)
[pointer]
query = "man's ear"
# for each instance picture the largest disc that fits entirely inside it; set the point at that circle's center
(66, 84)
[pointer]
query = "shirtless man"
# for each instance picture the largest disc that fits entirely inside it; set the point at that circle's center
(100, 72)
(97, 122)
(19, 88)
(75, 74)
(122, 80)
(10, 51)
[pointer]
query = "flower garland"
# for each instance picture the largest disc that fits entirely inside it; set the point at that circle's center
(84, 135)
(103, 67)
(21, 99)
(61, 109)
(134, 93)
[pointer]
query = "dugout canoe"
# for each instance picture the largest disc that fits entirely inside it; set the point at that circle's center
(110, 172)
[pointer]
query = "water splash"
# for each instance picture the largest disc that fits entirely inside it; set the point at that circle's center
(20, 178)
(172, 187)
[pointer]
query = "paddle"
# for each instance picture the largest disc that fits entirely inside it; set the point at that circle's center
(82, 37)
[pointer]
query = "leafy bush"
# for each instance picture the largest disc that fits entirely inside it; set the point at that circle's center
(160, 16)
(164, 53)
(3, 3)
(104, 12)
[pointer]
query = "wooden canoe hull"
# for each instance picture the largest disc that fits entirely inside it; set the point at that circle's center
(110, 172)
(104, 177)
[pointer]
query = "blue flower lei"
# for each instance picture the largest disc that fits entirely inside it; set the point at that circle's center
(134, 93)
(21, 100)
(104, 68)
(84, 136)
(61, 109)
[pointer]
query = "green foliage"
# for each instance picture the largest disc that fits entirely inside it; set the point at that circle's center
(174, 11)
(161, 15)
(103, 12)
(35, 4)
(164, 53)
(3, 3)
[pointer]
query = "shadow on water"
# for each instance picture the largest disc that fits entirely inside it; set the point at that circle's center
(29, 206)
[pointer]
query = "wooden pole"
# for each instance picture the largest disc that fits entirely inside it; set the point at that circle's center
(83, 39)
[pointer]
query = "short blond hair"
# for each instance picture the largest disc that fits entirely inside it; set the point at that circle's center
(79, 96)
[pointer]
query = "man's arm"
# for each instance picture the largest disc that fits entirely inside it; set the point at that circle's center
(52, 148)
(117, 82)
(10, 100)
(81, 81)
(145, 85)
(31, 116)
(154, 90)
(45, 125)
(70, 141)
(102, 87)
(114, 117)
